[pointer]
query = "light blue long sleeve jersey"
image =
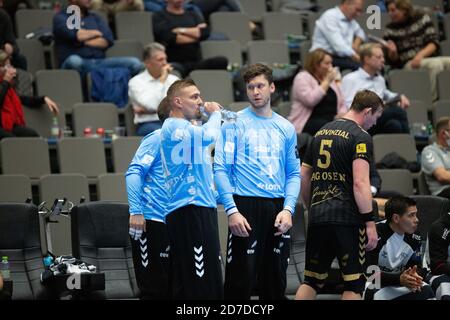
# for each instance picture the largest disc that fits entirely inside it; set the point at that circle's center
(257, 157)
(146, 184)
(186, 154)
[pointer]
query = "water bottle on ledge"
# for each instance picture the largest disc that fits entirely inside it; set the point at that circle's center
(5, 268)
(227, 115)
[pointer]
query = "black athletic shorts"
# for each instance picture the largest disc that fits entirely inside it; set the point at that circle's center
(347, 244)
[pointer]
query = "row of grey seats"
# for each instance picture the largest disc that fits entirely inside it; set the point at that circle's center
(30, 156)
(64, 86)
(97, 234)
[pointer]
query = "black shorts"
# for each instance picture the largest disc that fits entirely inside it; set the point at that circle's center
(326, 242)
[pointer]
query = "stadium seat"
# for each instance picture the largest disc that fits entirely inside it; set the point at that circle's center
(30, 20)
(445, 47)
(311, 23)
(28, 156)
(231, 49)
(63, 86)
(403, 144)
(41, 120)
(268, 52)
(215, 85)
(285, 24)
(422, 184)
(443, 79)
(417, 113)
(377, 32)
(82, 155)
(415, 84)
(111, 187)
(126, 48)
(19, 241)
(100, 237)
(255, 9)
(73, 187)
(325, 4)
(235, 25)
(304, 50)
(94, 115)
(130, 126)
(33, 50)
(441, 109)
(15, 188)
(134, 25)
(123, 150)
(399, 180)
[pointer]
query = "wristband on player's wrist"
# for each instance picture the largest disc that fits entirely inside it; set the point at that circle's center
(369, 216)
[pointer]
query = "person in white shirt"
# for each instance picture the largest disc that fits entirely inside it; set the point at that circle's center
(147, 89)
(337, 32)
(368, 77)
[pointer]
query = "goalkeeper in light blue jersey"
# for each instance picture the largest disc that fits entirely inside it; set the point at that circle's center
(257, 173)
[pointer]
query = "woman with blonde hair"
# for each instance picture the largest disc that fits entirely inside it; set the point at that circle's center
(317, 98)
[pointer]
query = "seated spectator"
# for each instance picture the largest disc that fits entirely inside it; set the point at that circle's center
(317, 99)
(398, 255)
(111, 7)
(181, 32)
(84, 49)
(337, 32)
(439, 246)
(147, 89)
(413, 42)
(436, 161)
(8, 41)
(12, 122)
(394, 118)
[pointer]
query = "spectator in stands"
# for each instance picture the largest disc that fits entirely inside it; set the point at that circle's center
(111, 7)
(398, 255)
(317, 98)
(12, 121)
(181, 32)
(84, 49)
(147, 89)
(337, 32)
(394, 118)
(8, 41)
(439, 244)
(436, 160)
(413, 42)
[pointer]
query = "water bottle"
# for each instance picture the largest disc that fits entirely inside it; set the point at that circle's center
(227, 115)
(54, 132)
(5, 268)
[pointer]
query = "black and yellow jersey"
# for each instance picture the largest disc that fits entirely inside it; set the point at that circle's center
(330, 155)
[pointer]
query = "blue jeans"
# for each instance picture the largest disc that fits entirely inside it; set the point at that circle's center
(145, 128)
(85, 66)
